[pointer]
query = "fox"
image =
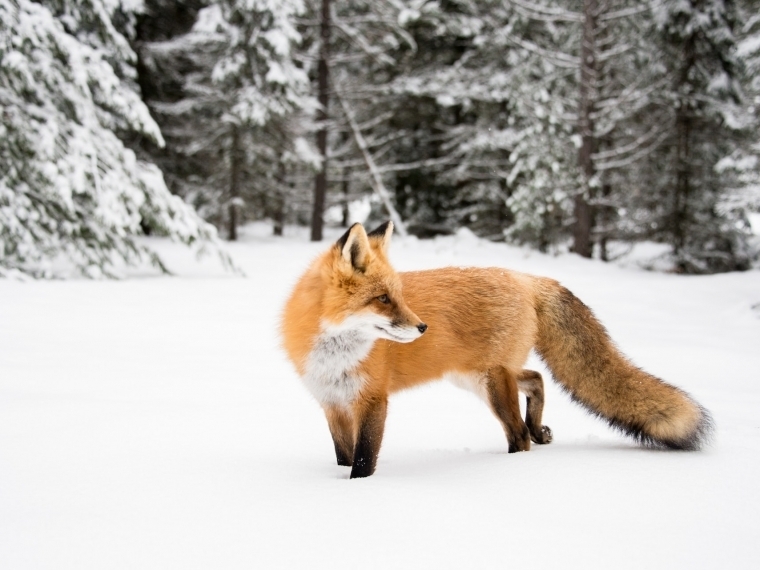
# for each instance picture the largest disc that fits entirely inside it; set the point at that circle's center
(349, 329)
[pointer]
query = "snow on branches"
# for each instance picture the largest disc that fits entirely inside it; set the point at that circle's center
(68, 185)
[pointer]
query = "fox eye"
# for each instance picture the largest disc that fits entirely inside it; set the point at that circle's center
(384, 299)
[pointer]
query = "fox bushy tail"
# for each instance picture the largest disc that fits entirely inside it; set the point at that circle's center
(586, 363)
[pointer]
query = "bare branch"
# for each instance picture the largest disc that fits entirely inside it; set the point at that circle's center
(611, 165)
(625, 12)
(557, 58)
(361, 41)
(377, 120)
(620, 151)
(617, 50)
(631, 93)
(377, 179)
(401, 166)
(545, 13)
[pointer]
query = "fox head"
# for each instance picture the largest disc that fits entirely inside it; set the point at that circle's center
(363, 291)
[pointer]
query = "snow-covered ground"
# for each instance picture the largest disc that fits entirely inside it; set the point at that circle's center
(153, 423)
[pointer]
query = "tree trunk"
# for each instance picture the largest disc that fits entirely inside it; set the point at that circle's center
(603, 214)
(234, 183)
(604, 218)
(682, 186)
(320, 181)
(345, 185)
(279, 206)
(683, 124)
(583, 216)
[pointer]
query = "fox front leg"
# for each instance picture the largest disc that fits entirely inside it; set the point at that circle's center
(341, 423)
(370, 416)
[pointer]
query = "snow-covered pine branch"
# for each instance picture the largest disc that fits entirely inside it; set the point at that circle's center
(68, 186)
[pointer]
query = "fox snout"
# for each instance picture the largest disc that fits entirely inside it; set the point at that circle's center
(402, 330)
(409, 325)
(420, 326)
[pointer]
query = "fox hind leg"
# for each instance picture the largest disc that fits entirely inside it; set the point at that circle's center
(501, 386)
(531, 384)
(341, 423)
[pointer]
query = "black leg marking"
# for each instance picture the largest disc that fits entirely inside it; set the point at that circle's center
(370, 436)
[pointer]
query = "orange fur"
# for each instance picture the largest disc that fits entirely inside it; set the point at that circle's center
(479, 326)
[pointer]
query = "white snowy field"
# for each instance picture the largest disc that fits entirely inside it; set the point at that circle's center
(154, 423)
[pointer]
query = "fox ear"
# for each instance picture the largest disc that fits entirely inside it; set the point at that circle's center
(382, 234)
(354, 247)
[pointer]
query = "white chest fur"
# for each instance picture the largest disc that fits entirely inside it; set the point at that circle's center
(331, 374)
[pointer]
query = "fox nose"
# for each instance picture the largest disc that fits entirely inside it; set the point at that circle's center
(422, 327)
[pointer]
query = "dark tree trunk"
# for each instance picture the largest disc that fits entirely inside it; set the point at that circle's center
(279, 206)
(604, 217)
(345, 186)
(683, 127)
(320, 181)
(583, 216)
(682, 186)
(235, 167)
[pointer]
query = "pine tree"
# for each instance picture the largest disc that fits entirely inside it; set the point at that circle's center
(68, 185)
(349, 51)
(699, 42)
(594, 72)
(237, 121)
(268, 90)
(178, 47)
(741, 167)
(480, 140)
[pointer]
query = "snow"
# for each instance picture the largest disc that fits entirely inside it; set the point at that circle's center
(154, 423)
(210, 20)
(754, 221)
(749, 46)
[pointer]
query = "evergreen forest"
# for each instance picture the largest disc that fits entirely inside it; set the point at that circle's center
(580, 125)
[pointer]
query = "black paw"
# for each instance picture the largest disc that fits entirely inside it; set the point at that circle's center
(362, 468)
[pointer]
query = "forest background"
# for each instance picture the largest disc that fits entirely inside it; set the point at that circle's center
(587, 125)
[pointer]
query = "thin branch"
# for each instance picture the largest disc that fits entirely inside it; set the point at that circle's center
(631, 93)
(616, 50)
(624, 13)
(402, 166)
(620, 151)
(377, 120)
(557, 58)
(546, 13)
(377, 179)
(611, 165)
(359, 40)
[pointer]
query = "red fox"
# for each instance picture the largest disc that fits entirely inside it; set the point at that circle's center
(350, 332)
